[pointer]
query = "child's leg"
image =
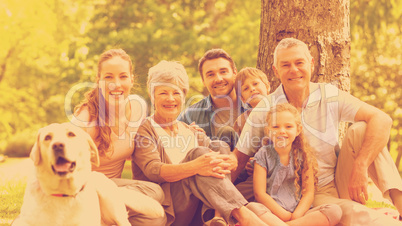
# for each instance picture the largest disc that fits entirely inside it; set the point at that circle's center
(246, 217)
(328, 214)
(265, 214)
(270, 219)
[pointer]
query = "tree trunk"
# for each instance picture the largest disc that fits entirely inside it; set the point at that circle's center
(323, 25)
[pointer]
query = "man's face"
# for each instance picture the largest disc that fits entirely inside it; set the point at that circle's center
(294, 68)
(218, 77)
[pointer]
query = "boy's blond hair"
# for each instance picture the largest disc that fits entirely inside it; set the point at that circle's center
(250, 72)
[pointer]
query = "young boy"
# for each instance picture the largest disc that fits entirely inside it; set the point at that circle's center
(251, 85)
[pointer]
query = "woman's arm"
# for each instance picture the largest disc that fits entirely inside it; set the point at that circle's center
(308, 196)
(260, 194)
(147, 156)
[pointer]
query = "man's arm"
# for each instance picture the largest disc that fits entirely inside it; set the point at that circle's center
(375, 139)
(242, 160)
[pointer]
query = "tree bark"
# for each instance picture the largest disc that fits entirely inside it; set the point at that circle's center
(323, 25)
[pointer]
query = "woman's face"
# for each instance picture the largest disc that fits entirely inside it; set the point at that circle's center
(115, 80)
(168, 102)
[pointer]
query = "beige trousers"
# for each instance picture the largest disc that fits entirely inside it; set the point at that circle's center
(382, 171)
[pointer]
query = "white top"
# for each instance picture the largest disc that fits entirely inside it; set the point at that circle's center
(325, 108)
(177, 146)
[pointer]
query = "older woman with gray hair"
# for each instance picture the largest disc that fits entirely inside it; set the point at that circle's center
(189, 166)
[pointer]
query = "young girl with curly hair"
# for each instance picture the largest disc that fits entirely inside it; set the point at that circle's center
(285, 173)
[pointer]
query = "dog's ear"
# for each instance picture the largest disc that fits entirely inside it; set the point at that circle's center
(35, 152)
(94, 152)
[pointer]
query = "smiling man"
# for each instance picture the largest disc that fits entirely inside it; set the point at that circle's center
(343, 173)
(216, 113)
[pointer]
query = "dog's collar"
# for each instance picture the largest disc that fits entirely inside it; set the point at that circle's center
(65, 195)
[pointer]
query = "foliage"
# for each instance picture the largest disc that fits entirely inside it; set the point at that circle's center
(20, 144)
(376, 59)
(11, 199)
(49, 46)
(182, 31)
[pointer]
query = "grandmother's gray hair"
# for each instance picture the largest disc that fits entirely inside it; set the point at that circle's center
(167, 73)
(288, 43)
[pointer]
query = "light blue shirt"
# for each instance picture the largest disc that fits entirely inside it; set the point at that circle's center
(280, 178)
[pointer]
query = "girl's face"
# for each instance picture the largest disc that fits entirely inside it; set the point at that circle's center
(252, 91)
(168, 102)
(282, 129)
(115, 80)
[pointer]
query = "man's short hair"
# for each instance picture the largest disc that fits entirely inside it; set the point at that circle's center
(215, 54)
(288, 43)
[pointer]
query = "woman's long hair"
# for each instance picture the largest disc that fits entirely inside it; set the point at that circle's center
(97, 107)
(300, 147)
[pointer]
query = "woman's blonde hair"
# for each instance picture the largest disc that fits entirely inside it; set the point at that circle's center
(98, 109)
(299, 147)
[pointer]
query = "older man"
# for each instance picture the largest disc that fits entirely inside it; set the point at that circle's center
(343, 174)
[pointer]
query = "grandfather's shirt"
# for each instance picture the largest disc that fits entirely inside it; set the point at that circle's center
(325, 108)
(203, 113)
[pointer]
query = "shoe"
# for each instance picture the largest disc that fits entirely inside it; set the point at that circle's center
(218, 221)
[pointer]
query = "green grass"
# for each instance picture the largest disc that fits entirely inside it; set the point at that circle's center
(11, 197)
(12, 187)
(375, 204)
(127, 170)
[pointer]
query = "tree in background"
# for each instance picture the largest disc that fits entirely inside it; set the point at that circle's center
(48, 46)
(36, 69)
(375, 56)
(376, 61)
(154, 30)
(322, 25)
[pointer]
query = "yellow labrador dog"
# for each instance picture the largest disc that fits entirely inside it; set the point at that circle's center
(66, 192)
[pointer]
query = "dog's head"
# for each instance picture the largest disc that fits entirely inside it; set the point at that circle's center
(63, 154)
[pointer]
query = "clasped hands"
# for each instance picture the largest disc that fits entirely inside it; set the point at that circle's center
(215, 164)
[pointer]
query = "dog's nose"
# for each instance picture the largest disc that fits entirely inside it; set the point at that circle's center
(58, 147)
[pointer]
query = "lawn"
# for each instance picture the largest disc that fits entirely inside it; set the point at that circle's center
(14, 173)
(13, 177)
